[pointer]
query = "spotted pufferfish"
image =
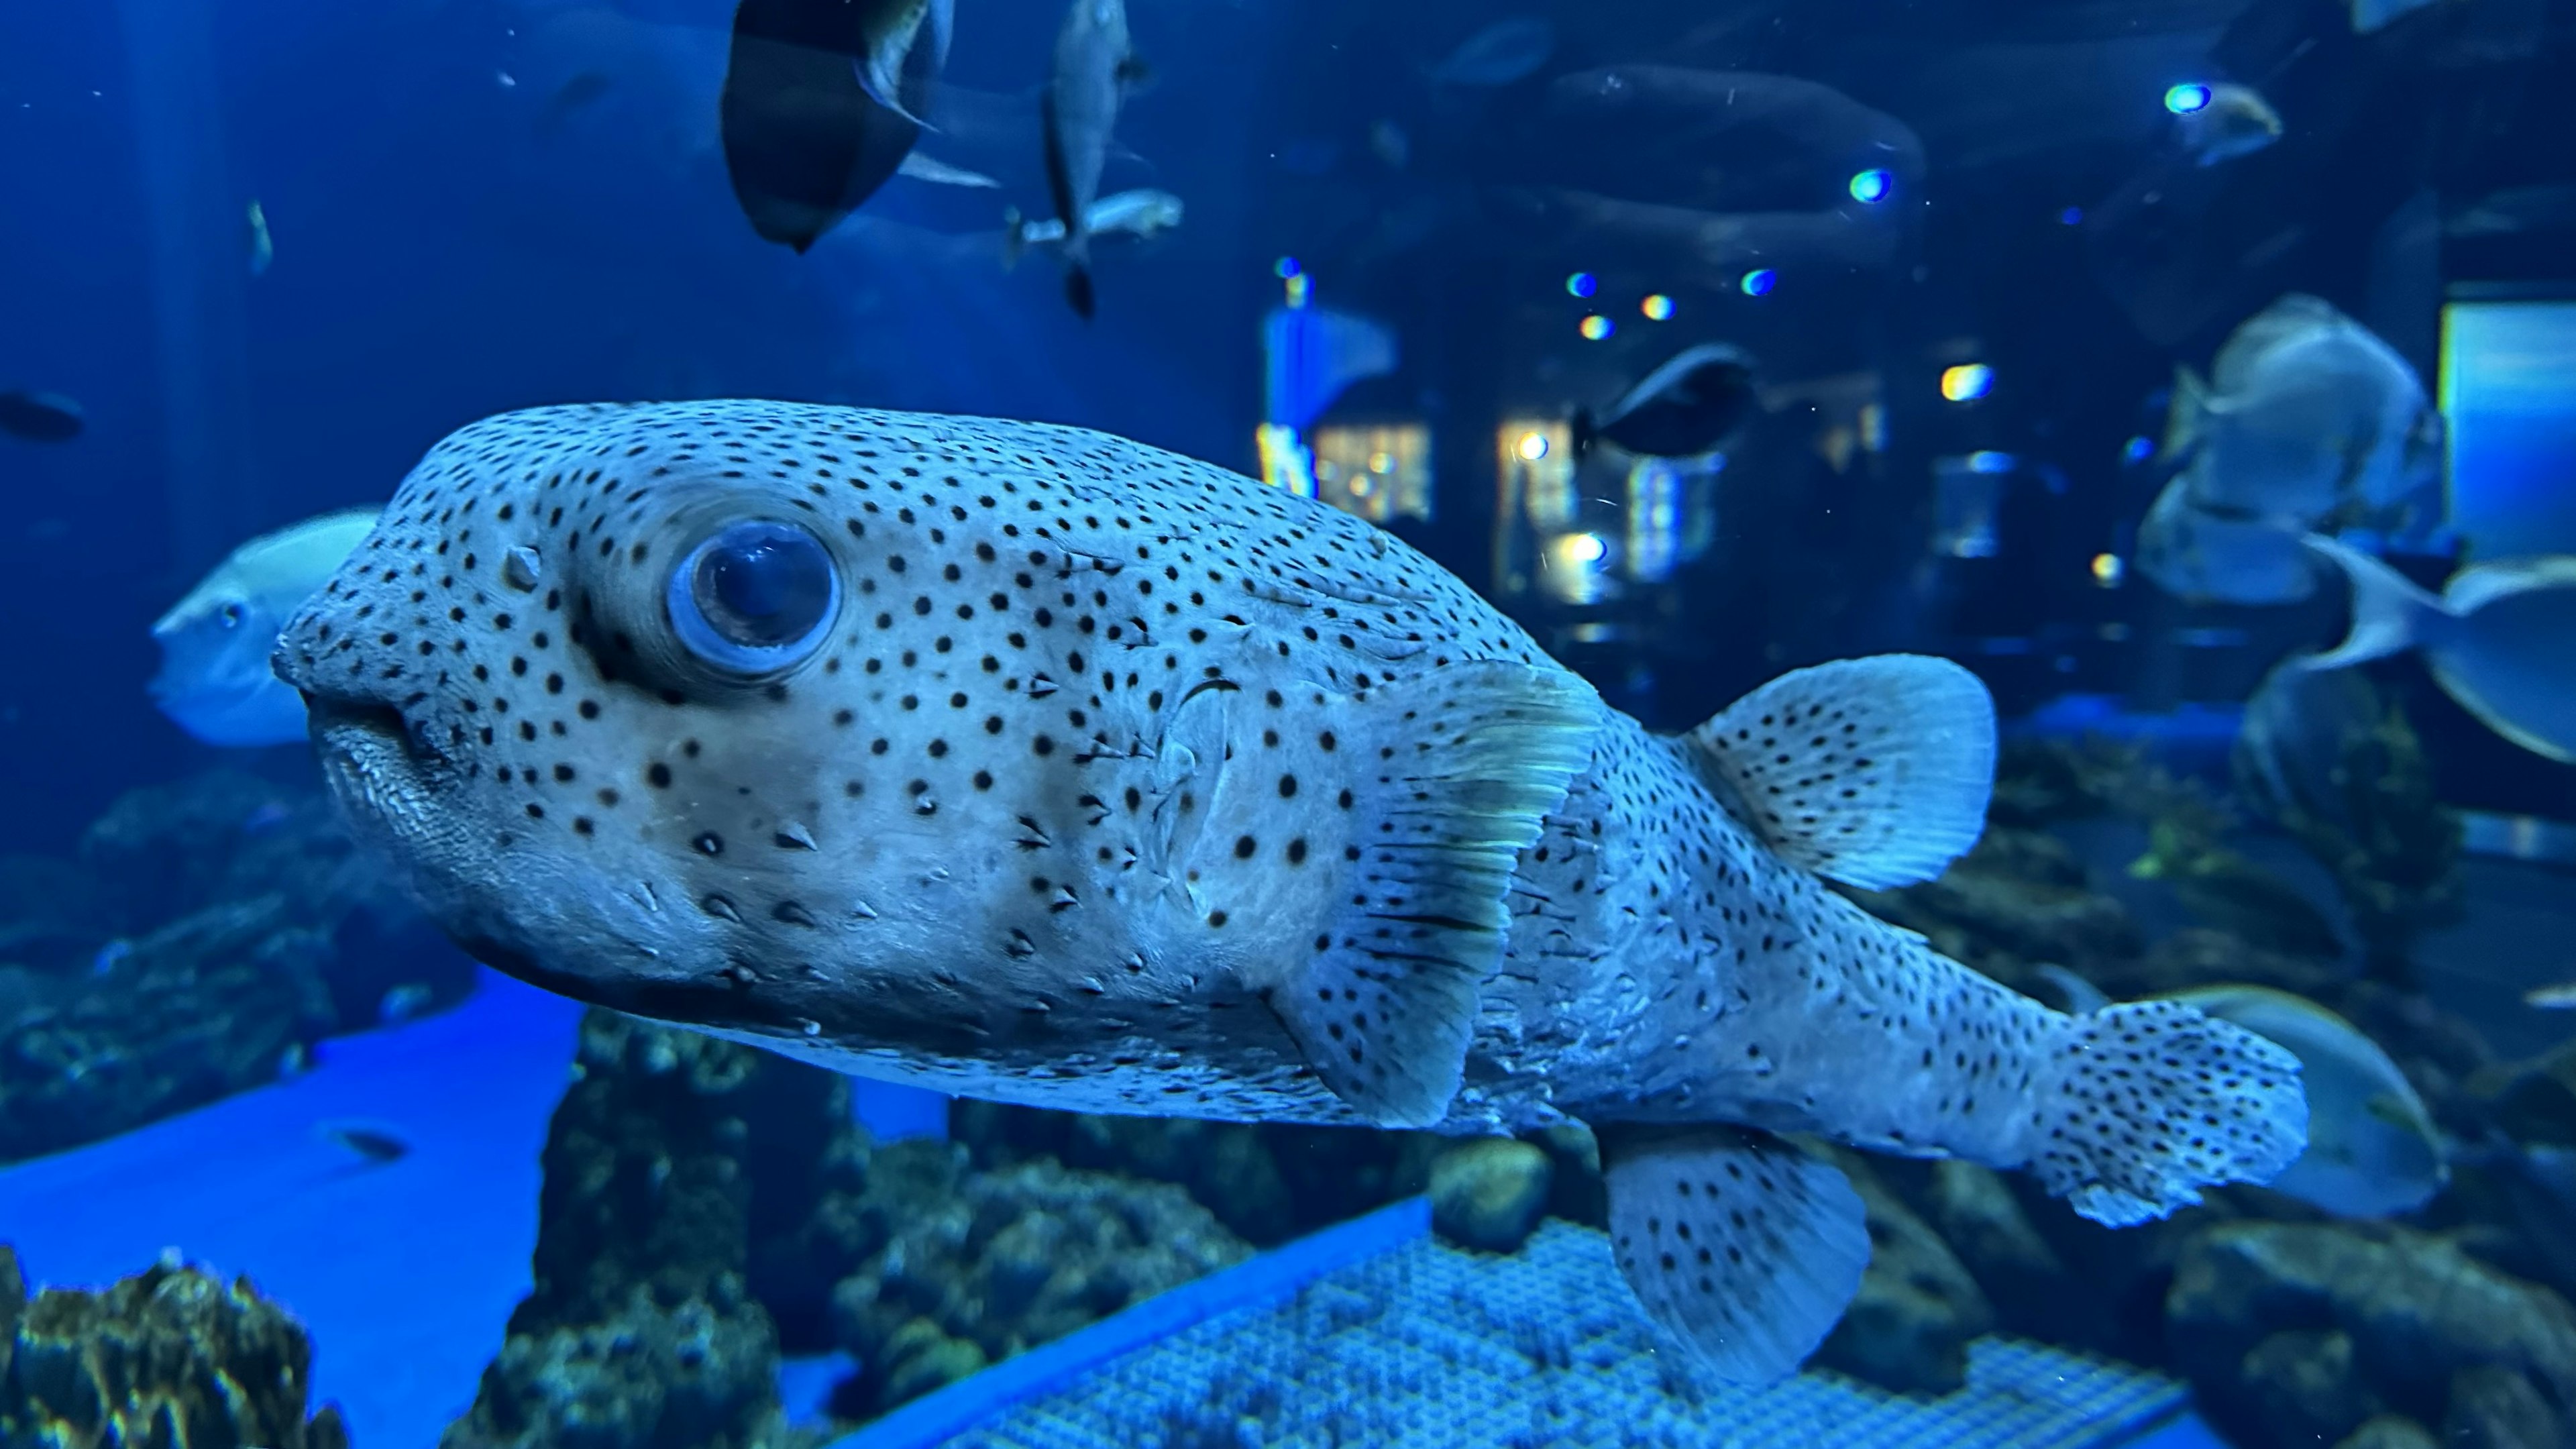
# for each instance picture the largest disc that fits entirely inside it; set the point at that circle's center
(1028, 763)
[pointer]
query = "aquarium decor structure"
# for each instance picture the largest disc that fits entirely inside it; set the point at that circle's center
(1374, 1332)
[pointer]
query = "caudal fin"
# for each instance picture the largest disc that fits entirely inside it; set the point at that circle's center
(1077, 290)
(2389, 614)
(2144, 1104)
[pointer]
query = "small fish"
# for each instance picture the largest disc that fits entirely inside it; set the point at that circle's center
(1406, 872)
(215, 682)
(1142, 214)
(372, 1141)
(2236, 121)
(402, 1003)
(585, 89)
(940, 173)
(2496, 640)
(1501, 54)
(1094, 69)
(2373, 1149)
(2561, 997)
(1687, 407)
(261, 248)
(40, 417)
(806, 139)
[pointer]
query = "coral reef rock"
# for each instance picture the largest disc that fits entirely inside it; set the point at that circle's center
(1490, 1192)
(1918, 1307)
(208, 933)
(642, 1331)
(166, 1359)
(2302, 1333)
(972, 1266)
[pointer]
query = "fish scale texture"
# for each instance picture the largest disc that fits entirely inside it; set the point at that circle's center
(1434, 1347)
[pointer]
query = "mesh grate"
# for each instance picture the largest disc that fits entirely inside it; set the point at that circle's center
(1431, 1346)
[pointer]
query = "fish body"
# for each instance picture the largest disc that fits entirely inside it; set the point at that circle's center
(2308, 422)
(1503, 53)
(2235, 122)
(820, 104)
(377, 1144)
(2495, 640)
(2558, 997)
(1094, 65)
(215, 681)
(40, 417)
(1033, 764)
(259, 248)
(1143, 214)
(1692, 403)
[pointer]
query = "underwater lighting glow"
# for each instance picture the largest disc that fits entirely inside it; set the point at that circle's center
(1967, 382)
(1871, 185)
(1581, 284)
(1658, 308)
(1531, 447)
(1286, 267)
(1986, 460)
(2071, 216)
(1758, 281)
(1586, 548)
(2107, 570)
(1596, 327)
(2138, 449)
(2182, 100)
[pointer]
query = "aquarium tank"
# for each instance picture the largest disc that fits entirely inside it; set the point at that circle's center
(1158, 724)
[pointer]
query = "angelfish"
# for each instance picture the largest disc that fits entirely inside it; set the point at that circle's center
(1094, 67)
(1030, 763)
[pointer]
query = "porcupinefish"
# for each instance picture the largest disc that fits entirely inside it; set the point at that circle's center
(1032, 764)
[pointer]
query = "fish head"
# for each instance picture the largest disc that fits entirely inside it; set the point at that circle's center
(215, 681)
(701, 711)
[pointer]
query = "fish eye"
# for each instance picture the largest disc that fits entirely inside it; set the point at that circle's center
(231, 614)
(754, 597)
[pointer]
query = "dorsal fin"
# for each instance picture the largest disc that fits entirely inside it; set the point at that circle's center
(1873, 772)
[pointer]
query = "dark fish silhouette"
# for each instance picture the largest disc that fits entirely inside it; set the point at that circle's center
(1682, 409)
(805, 143)
(374, 1143)
(39, 417)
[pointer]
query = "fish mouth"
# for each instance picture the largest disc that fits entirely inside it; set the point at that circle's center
(375, 762)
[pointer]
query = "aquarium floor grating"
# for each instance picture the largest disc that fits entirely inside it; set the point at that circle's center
(1401, 1340)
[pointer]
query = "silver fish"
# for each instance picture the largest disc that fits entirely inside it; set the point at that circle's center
(1034, 764)
(2495, 640)
(1094, 67)
(1143, 214)
(215, 682)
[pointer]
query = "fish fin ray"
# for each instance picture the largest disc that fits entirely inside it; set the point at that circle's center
(1385, 1007)
(1874, 772)
(1737, 1243)
(2145, 1103)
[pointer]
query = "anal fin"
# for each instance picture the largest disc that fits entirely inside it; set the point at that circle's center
(1457, 770)
(1740, 1246)
(1874, 772)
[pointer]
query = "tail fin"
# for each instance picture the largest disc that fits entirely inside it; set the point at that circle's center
(2184, 417)
(2389, 613)
(1077, 273)
(1015, 237)
(2145, 1103)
